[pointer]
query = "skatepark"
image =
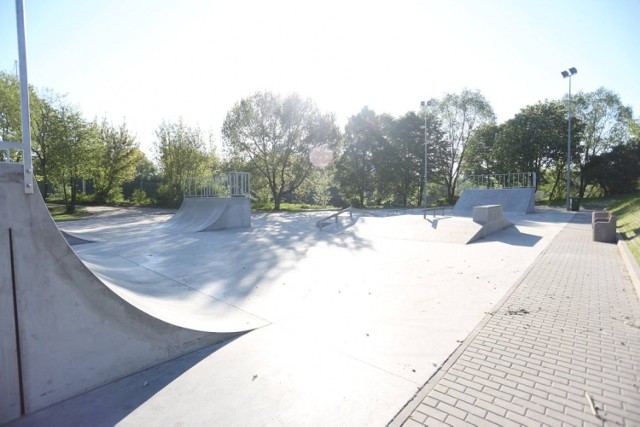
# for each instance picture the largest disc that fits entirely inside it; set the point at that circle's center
(269, 324)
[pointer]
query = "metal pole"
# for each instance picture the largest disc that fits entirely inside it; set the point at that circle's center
(426, 153)
(24, 99)
(569, 151)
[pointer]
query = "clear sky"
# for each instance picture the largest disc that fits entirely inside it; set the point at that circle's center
(147, 60)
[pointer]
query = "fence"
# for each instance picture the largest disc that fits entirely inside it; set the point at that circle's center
(500, 180)
(233, 184)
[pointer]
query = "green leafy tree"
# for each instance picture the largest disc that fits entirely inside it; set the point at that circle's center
(355, 167)
(181, 152)
(9, 109)
(72, 155)
(482, 153)
(616, 171)
(47, 128)
(607, 124)
(275, 136)
(117, 157)
(459, 115)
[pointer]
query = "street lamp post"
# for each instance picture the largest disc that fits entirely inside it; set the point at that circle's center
(566, 74)
(423, 104)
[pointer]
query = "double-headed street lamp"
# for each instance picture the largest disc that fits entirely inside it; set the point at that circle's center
(423, 104)
(566, 74)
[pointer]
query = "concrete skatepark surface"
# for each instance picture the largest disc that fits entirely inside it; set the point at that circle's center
(354, 318)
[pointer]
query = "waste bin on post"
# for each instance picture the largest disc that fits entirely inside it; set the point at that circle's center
(575, 204)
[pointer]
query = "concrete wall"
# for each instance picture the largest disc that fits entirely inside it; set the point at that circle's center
(515, 200)
(75, 333)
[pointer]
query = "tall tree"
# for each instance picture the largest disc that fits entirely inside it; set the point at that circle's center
(117, 157)
(275, 136)
(47, 128)
(72, 156)
(181, 153)
(459, 115)
(606, 124)
(355, 167)
(9, 109)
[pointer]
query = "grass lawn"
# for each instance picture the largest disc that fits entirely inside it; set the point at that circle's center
(58, 213)
(628, 216)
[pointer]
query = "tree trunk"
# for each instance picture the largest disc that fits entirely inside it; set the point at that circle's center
(71, 205)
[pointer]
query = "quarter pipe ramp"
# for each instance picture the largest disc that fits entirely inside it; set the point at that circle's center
(211, 214)
(62, 331)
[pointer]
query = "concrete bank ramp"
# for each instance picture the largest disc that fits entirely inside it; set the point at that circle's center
(512, 200)
(443, 229)
(62, 331)
(210, 214)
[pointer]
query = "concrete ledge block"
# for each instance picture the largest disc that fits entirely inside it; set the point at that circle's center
(487, 213)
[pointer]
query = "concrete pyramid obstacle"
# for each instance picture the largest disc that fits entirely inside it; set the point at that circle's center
(512, 200)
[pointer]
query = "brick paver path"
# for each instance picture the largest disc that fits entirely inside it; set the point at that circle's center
(571, 327)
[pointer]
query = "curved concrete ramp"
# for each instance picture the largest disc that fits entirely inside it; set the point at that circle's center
(62, 331)
(211, 214)
(512, 200)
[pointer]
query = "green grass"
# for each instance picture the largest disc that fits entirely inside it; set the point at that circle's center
(58, 213)
(627, 212)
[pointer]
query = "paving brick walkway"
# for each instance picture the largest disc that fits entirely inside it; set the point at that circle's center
(568, 333)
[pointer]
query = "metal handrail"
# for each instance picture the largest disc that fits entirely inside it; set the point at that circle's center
(233, 184)
(325, 221)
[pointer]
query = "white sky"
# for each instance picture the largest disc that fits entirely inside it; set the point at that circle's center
(147, 60)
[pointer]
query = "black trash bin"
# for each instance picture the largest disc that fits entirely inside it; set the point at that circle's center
(575, 204)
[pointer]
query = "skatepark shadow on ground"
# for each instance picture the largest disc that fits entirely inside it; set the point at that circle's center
(226, 264)
(511, 236)
(111, 403)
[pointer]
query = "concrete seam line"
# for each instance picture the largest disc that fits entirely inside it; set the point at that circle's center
(16, 321)
(423, 391)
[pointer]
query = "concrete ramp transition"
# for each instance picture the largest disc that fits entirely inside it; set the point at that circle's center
(211, 214)
(62, 331)
(512, 200)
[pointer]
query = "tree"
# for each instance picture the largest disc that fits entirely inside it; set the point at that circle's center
(181, 153)
(459, 115)
(72, 156)
(482, 155)
(117, 157)
(47, 127)
(275, 136)
(406, 136)
(606, 125)
(10, 129)
(616, 171)
(355, 165)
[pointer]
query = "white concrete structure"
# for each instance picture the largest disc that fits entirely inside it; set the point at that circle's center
(211, 214)
(513, 200)
(62, 331)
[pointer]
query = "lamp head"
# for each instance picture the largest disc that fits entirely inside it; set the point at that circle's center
(565, 74)
(422, 103)
(573, 70)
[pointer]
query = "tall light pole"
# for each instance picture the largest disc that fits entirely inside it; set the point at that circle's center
(423, 104)
(566, 74)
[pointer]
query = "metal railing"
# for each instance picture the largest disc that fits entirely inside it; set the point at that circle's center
(232, 184)
(326, 220)
(500, 180)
